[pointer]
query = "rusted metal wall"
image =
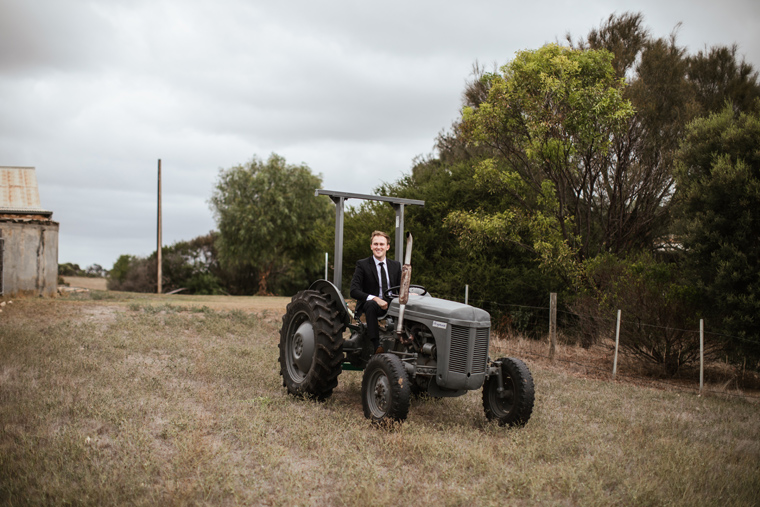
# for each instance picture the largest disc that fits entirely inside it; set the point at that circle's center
(29, 262)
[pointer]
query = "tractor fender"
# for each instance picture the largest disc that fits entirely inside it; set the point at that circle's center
(330, 290)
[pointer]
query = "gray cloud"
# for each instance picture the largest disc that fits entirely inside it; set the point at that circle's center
(95, 92)
(50, 36)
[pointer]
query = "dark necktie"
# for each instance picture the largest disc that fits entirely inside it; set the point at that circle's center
(383, 277)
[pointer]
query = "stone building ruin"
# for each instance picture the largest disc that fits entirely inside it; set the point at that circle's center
(28, 237)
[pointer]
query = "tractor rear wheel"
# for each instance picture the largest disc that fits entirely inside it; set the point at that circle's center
(386, 389)
(311, 339)
(512, 405)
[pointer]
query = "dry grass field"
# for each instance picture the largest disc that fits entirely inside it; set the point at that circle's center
(114, 399)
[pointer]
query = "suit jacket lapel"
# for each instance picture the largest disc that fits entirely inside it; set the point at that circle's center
(373, 269)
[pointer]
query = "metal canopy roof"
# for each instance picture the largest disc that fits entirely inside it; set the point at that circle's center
(19, 192)
(367, 197)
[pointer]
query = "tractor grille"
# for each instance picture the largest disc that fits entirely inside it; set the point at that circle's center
(458, 359)
(480, 355)
(460, 351)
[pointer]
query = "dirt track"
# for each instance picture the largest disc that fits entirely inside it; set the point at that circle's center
(243, 303)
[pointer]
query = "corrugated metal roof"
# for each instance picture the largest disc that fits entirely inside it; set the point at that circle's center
(19, 192)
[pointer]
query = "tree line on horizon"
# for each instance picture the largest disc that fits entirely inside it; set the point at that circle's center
(615, 169)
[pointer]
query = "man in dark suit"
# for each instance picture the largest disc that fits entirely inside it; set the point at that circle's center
(367, 289)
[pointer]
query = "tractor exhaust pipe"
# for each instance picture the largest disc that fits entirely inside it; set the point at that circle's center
(406, 278)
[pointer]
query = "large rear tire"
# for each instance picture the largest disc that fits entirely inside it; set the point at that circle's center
(514, 404)
(310, 345)
(386, 389)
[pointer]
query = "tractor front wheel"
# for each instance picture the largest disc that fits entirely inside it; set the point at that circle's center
(513, 403)
(386, 389)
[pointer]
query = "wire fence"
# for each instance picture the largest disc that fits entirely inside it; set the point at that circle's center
(644, 380)
(541, 315)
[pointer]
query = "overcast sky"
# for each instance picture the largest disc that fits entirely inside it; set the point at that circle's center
(94, 92)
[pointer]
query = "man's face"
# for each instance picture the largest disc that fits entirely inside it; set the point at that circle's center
(379, 247)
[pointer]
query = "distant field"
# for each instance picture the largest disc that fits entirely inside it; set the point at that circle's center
(85, 282)
(124, 399)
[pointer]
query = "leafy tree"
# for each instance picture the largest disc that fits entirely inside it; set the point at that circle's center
(623, 36)
(133, 274)
(70, 269)
(502, 277)
(95, 270)
(548, 123)
(630, 206)
(667, 89)
(189, 265)
(193, 265)
(719, 77)
(719, 193)
(118, 273)
(640, 182)
(270, 220)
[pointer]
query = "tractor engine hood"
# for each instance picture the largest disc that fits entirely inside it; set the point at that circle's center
(456, 314)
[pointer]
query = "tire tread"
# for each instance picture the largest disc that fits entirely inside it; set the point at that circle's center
(328, 335)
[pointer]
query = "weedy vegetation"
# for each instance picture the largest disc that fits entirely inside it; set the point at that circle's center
(114, 401)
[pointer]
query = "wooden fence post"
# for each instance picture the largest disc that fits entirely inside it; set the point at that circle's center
(701, 355)
(552, 324)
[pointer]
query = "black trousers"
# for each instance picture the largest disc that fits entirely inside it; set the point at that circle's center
(373, 312)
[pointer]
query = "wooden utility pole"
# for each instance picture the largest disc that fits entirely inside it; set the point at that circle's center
(158, 239)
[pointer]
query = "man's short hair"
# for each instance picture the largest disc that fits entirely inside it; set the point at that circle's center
(380, 233)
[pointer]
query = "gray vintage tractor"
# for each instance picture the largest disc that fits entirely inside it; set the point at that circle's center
(433, 347)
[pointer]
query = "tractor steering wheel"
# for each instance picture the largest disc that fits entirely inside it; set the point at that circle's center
(392, 292)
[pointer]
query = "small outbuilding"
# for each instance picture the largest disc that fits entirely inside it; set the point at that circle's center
(28, 237)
